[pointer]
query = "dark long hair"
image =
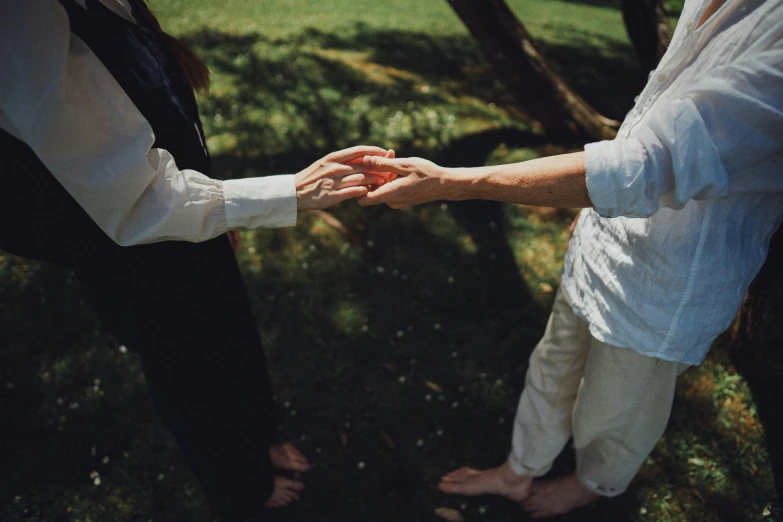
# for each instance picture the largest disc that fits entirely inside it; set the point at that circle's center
(194, 70)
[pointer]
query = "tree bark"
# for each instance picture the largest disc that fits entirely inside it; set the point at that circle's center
(563, 114)
(648, 28)
(756, 347)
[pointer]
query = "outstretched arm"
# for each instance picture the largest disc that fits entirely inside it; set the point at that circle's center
(556, 181)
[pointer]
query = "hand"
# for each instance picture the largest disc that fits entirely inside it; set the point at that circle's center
(411, 181)
(336, 177)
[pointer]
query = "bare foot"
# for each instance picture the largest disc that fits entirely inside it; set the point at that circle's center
(286, 456)
(557, 496)
(285, 492)
(496, 481)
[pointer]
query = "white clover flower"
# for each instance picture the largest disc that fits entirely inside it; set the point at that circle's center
(370, 244)
(402, 379)
(94, 474)
(482, 510)
(428, 397)
(97, 481)
(313, 248)
(436, 326)
(643, 511)
(74, 405)
(444, 206)
(293, 413)
(450, 279)
(420, 443)
(365, 328)
(380, 269)
(10, 386)
(492, 225)
(161, 476)
(305, 265)
(286, 404)
(123, 348)
(360, 465)
(439, 433)
(93, 452)
(454, 354)
(455, 404)
(60, 401)
(105, 460)
(400, 334)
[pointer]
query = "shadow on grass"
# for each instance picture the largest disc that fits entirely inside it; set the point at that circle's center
(287, 101)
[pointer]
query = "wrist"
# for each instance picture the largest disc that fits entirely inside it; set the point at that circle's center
(459, 183)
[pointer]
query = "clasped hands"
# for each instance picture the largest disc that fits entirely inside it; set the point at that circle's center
(372, 175)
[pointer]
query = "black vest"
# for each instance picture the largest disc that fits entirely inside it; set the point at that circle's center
(38, 218)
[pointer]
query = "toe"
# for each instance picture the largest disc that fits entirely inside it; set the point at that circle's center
(458, 474)
(450, 488)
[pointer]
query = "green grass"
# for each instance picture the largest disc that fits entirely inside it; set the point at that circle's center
(401, 347)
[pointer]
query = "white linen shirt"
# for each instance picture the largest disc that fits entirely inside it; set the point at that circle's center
(59, 99)
(688, 195)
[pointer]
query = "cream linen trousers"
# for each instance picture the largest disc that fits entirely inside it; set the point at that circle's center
(614, 401)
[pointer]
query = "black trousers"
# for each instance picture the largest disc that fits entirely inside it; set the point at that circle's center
(183, 307)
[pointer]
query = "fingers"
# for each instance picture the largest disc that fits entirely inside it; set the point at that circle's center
(383, 164)
(353, 153)
(354, 180)
(350, 193)
(386, 193)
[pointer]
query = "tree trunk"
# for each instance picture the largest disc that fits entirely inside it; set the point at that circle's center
(756, 346)
(507, 45)
(648, 28)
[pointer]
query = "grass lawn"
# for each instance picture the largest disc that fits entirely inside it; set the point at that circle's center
(398, 348)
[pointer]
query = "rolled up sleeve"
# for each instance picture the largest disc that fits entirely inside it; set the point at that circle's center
(710, 141)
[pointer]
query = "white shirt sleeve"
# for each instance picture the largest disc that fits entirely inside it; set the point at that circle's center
(57, 97)
(723, 135)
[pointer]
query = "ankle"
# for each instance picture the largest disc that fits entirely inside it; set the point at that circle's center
(508, 475)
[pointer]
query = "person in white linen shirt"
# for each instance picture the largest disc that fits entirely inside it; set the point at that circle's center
(684, 202)
(105, 170)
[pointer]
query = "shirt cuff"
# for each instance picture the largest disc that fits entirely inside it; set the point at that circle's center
(267, 202)
(615, 176)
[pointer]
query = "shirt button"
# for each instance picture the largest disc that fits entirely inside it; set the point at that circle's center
(661, 78)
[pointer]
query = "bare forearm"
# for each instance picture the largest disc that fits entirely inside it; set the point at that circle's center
(556, 181)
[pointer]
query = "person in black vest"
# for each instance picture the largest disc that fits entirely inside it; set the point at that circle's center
(105, 170)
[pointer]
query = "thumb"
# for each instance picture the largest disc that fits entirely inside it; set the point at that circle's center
(381, 164)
